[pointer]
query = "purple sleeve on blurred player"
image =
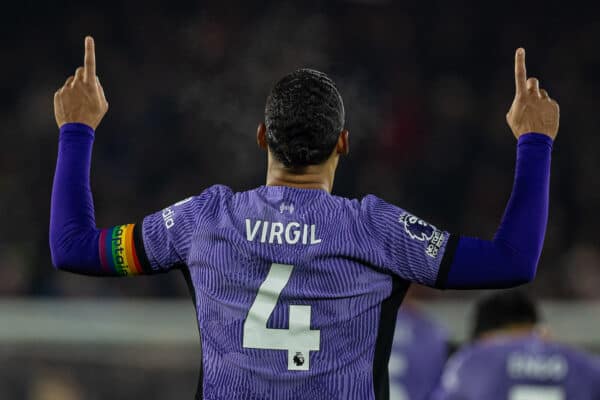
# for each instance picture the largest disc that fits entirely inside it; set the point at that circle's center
(419, 352)
(511, 257)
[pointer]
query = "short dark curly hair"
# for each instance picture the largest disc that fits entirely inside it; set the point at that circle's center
(304, 116)
(502, 309)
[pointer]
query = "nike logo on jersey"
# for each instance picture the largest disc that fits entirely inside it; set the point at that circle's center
(278, 233)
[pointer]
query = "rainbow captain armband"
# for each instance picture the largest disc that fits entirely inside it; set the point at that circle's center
(118, 251)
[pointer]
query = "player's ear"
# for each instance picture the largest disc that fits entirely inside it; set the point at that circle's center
(343, 143)
(261, 136)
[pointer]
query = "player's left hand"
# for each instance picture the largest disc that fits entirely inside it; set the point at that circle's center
(82, 98)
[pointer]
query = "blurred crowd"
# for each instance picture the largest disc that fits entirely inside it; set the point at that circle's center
(426, 89)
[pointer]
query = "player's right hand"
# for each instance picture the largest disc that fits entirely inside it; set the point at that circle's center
(82, 98)
(532, 109)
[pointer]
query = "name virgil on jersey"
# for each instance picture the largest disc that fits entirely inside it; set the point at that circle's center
(277, 232)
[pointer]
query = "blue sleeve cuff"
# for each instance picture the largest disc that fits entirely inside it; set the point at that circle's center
(76, 128)
(535, 138)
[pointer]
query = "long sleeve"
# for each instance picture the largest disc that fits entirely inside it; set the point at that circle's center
(157, 244)
(512, 256)
(76, 244)
(72, 207)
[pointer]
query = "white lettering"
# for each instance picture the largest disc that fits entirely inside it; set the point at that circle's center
(251, 232)
(276, 231)
(537, 366)
(313, 234)
(279, 233)
(263, 236)
(168, 217)
(288, 230)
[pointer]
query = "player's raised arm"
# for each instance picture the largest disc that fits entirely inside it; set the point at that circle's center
(76, 244)
(512, 256)
(419, 252)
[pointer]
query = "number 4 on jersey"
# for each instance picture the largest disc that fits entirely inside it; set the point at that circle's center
(298, 339)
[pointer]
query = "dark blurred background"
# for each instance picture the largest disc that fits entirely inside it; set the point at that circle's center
(426, 87)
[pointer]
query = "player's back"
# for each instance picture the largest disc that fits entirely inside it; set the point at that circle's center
(419, 352)
(527, 368)
(297, 290)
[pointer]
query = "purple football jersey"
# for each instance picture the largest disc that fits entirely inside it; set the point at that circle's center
(419, 352)
(296, 290)
(527, 368)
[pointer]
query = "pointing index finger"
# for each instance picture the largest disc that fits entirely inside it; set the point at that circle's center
(89, 61)
(520, 71)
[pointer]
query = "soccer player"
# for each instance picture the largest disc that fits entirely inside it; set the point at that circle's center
(296, 289)
(419, 353)
(511, 359)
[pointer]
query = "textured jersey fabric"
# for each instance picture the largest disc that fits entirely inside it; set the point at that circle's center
(314, 280)
(520, 369)
(347, 258)
(419, 353)
(77, 245)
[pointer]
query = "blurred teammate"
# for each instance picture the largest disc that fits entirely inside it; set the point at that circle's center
(511, 359)
(419, 352)
(296, 290)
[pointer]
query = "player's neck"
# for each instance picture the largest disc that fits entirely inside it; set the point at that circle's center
(513, 331)
(308, 177)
